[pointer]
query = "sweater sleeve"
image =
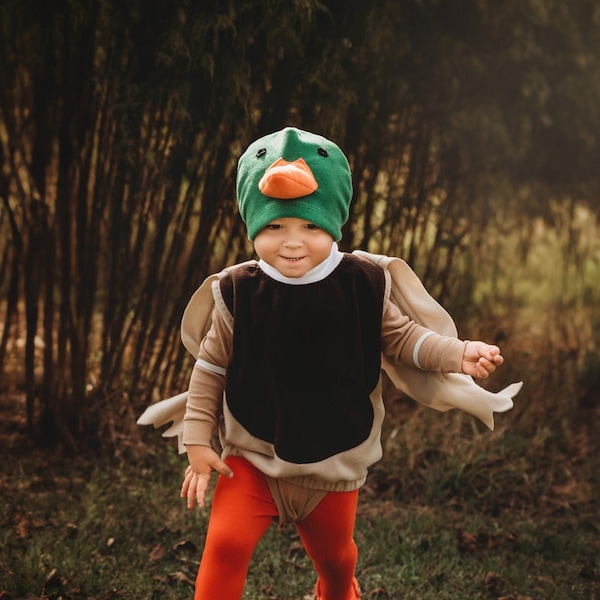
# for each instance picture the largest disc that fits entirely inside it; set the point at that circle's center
(406, 342)
(207, 383)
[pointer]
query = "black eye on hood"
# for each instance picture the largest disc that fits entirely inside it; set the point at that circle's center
(323, 152)
(261, 152)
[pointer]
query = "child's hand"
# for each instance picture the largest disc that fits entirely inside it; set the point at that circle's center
(481, 359)
(203, 460)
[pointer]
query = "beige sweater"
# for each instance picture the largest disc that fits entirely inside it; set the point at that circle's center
(402, 341)
(441, 391)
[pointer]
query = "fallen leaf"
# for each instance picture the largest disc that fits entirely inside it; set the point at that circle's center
(22, 526)
(492, 580)
(158, 553)
(295, 547)
(185, 545)
(467, 542)
(180, 576)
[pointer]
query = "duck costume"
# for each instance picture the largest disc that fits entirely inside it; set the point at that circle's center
(288, 371)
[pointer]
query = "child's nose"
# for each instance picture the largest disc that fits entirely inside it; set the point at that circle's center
(292, 242)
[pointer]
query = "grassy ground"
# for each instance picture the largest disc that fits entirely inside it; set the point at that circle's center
(452, 512)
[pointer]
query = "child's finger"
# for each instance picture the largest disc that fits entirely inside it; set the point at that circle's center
(220, 467)
(200, 490)
(498, 359)
(488, 365)
(494, 355)
(192, 493)
(185, 485)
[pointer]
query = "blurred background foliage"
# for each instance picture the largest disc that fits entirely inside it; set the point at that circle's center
(471, 126)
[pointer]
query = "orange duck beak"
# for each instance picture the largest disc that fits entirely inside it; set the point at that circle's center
(286, 180)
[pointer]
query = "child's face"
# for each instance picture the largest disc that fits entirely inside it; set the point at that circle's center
(293, 246)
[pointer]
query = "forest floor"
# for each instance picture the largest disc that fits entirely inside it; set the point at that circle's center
(76, 527)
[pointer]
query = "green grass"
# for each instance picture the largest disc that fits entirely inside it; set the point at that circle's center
(452, 512)
(80, 529)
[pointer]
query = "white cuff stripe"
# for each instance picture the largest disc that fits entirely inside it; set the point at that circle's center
(418, 347)
(210, 367)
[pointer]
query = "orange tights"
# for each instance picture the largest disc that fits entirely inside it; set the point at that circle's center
(242, 511)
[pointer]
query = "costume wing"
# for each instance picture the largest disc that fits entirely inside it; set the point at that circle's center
(437, 390)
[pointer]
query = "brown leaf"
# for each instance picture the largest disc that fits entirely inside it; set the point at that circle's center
(22, 526)
(185, 545)
(181, 576)
(295, 547)
(492, 580)
(467, 542)
(158, 553)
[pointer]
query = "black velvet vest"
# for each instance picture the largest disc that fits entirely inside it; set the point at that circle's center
(305, 358)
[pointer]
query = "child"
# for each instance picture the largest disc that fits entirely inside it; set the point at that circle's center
(289, 369)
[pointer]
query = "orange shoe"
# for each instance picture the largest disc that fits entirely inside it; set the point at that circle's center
(355, 589)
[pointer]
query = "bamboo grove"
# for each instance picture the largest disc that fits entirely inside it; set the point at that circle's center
(121, 123)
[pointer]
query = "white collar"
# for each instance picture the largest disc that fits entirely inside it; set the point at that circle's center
(317, 273)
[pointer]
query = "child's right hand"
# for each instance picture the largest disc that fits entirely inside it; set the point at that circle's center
(203, 460)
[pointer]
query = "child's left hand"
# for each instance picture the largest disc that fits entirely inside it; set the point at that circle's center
(481, 359)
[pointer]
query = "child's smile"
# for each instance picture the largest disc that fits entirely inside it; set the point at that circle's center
(293, 246)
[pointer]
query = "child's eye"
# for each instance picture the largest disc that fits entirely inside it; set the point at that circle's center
(273, 226)
(311, 226)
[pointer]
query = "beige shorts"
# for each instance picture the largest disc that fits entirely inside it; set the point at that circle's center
(294, 503)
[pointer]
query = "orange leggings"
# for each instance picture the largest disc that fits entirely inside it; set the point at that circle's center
(242, 511)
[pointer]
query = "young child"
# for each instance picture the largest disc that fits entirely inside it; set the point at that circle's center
(289, 367)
